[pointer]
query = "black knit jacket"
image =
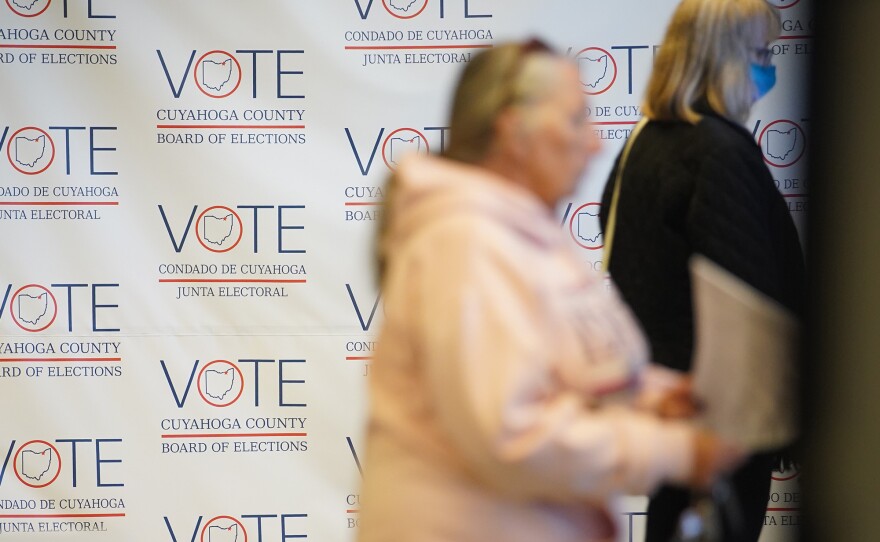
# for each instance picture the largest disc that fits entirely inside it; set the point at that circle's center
(691, 189)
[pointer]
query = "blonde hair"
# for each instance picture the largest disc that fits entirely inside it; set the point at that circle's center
(705, 57)
(492, 81)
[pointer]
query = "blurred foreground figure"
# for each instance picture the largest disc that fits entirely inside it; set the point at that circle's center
(505, 381)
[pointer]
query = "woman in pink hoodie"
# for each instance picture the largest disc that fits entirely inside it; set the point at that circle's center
(506, 382)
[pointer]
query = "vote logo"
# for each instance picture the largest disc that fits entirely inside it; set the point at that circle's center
(220, 383)
(597, 69)
(28, 8)
(402, 142)
(219, 229)
(30, 150)
(33, 8)
(267, 526)
(783, 143)
(33, 308)
(585, 228)
(37, 463)
(405, 9)
(217, 74)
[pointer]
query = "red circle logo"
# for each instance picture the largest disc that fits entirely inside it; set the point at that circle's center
(33, 308)
(585, 228)
(217, 74)
(225, 527)
(786, 475)
(401, 142)
(30, 150)
(37, 463)
(597, 69)
(783, 143)
(219, 230)
(783, 4)
(28, 8)
(222, 385)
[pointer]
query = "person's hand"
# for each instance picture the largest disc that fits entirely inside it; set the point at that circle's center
(668, 394)
(678, 401)
(713, 457)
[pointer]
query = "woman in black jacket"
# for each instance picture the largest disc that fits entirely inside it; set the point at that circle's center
(695, 182)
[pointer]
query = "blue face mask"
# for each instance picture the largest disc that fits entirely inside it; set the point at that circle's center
(764, 78)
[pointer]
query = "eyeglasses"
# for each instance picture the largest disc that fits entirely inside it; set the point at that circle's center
(763, 55)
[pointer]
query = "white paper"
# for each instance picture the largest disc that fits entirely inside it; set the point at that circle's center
(744, 360)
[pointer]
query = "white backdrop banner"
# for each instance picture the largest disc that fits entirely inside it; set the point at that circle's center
(188, 193)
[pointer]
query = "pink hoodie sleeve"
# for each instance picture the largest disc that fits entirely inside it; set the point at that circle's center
(489, 369)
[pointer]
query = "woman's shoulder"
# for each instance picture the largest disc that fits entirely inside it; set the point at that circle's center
(730, 160)
(724, 139)
(712, 143)
(676, 148)
(714, 151)
(712, 132)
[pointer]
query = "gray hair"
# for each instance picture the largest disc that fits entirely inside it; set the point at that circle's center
(494, 80)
